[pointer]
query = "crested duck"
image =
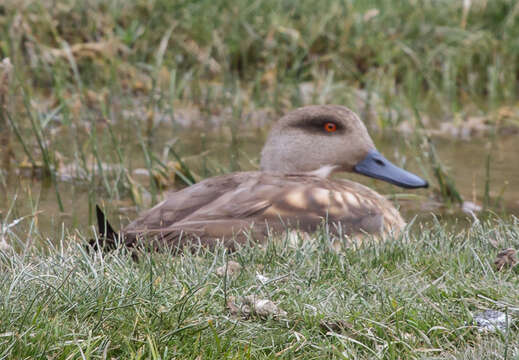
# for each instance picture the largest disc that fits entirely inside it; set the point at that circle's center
(292, 190)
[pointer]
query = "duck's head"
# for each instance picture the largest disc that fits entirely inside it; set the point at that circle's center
(329, 137)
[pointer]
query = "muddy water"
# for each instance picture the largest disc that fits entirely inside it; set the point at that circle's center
(465, 161)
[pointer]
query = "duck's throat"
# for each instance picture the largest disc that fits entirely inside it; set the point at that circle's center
(323, 171)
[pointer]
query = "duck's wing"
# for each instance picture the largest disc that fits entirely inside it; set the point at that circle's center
(183, 203)
(267, 203)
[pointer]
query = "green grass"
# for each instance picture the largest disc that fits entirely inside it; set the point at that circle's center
(412, 297)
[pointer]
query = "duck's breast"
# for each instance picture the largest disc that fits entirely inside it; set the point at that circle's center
(349, 206)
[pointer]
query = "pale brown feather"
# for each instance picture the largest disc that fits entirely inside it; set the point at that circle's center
(226, 208)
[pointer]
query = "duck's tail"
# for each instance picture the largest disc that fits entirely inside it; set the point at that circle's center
(108, 237)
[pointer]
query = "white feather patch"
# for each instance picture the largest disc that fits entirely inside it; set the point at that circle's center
(324, 171)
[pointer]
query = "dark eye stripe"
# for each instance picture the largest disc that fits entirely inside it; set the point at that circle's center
(317, 124)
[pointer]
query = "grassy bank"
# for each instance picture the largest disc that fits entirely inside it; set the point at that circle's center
(414, 297)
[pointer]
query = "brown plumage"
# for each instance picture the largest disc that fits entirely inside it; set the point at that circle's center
(292, 190)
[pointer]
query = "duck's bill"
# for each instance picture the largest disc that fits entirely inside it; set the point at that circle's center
(377, 166)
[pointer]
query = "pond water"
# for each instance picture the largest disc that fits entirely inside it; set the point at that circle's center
(220, 153)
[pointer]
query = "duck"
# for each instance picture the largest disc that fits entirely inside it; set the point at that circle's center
(294, 189)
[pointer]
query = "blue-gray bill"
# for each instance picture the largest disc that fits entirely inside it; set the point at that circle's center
(377, 166)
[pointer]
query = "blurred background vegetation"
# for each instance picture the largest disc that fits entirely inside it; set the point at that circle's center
(443, 55)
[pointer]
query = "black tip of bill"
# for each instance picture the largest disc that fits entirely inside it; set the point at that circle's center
(377, 166)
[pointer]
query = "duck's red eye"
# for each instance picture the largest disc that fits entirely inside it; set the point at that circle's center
(330, 127)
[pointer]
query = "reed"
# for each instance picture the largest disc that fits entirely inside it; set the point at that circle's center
(446, 185)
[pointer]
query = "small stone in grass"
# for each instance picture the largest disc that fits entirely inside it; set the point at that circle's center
(252, 305)
(232, 268)
(262, 278)
(336, 326)
(4, 246)
(492, 321)
(263, 307)
(470, 207)
(505, 258)
(233, 308)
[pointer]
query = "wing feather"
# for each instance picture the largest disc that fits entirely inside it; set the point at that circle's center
(225, 208)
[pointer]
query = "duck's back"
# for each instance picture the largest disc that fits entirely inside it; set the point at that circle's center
(258, 203)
